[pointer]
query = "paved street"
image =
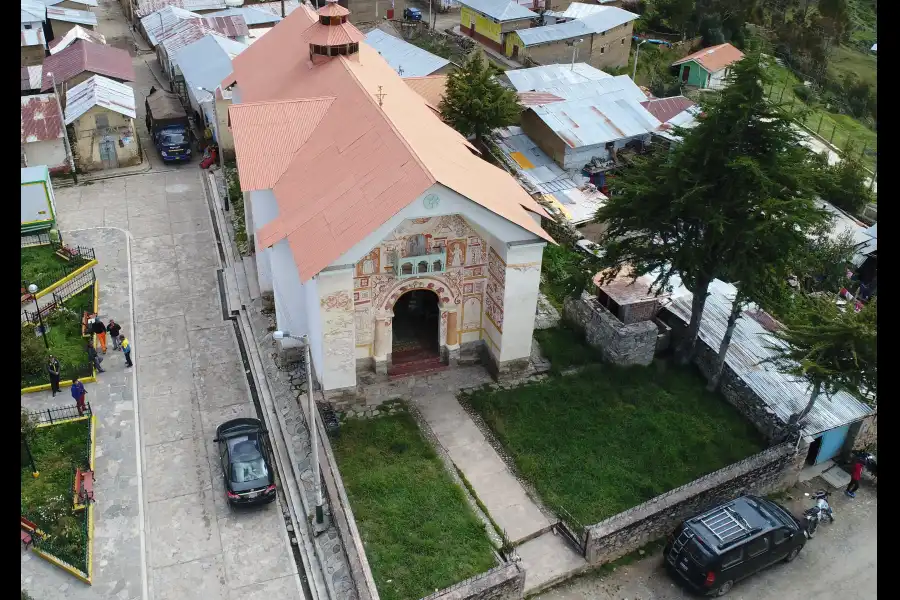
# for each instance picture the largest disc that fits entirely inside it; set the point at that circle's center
(840, 562)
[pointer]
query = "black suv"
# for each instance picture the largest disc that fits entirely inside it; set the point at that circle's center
(245, 462)
(734, 540)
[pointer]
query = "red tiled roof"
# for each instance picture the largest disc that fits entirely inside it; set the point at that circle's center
(86, 56)
(666, 108)
(714, 58)
(41, 120)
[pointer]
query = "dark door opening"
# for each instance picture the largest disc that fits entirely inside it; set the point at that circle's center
(685, 73)
(415, 326)
(814, 451)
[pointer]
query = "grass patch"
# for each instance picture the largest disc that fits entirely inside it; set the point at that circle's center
(65, 339)
(47, 500)
(565, 347)
(845, 60)
(419, 532)
(41, 265)
(609, 438)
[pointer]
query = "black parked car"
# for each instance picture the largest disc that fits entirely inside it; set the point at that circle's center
(244, 453)
(734, 540)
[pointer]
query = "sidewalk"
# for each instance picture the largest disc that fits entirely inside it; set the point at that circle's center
(546, 557)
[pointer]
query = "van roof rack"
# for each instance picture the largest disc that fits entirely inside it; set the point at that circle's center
(726, 524)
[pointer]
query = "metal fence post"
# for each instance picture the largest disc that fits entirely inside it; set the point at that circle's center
(50, 416)
(833, 129)
(820, 124)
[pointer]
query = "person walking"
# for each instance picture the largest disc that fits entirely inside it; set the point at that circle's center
(114, 328)
(99, 329)
(94, 357)
(53, 371)
(126, 350)
(78, 392)
(855, 476)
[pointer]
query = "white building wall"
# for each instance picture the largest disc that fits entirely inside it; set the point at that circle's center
(523, 277)
(262, 208)
(337, 368)
(290, 300)
(576, 158)
(48, 152)
(717, 79)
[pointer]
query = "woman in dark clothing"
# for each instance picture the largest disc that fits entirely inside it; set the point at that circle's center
(53, 371)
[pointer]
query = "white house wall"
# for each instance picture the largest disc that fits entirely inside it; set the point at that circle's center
(338, 365)
(263, 209)
(520, 293)
(717, 79)
(576, 158)
(290, 301)
(47, 152)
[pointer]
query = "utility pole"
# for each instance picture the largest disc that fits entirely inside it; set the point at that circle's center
(637, 53)
(313, 435)
(282, 9)
(65, 131)
(430, 17)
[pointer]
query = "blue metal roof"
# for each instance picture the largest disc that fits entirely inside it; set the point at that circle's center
(406, 59)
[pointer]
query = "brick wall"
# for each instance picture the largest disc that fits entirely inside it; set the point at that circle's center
(619, 344)
(770, 470)
(506, 582)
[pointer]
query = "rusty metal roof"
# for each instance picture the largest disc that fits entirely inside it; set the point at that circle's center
(84, 56)
(665, 109)
(76, 33)
(158, 23)
(231, 26)
(41, 119)
(99, 91)
(146, 7)
(183, 34)
(68, 15)
(784, 394)
(538, 98)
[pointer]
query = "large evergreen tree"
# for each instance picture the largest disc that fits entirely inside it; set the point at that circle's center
(475, 103)
(696, 211)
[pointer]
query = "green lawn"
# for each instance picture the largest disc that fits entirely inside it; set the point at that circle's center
(846, 60)
(41, 266)
(65, 340)
(419, 532)
(835, 128)
(47, 500)
(609, 438)
(565, 348)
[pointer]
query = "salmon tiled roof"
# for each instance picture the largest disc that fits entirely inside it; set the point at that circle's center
(431, 87)
(380, 155)
(84, 56)
(333, 9)
(41, 119)
(666, 108)
(714, 58)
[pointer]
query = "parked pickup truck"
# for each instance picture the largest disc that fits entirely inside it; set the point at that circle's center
(169, 126)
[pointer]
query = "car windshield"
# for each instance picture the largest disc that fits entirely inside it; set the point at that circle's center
(172, 136)
(247, 462)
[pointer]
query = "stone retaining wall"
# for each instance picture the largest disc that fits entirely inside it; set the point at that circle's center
(620, 344)
(506, 582)
(770, 470)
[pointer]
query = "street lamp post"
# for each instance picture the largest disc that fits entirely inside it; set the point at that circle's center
(313, 432)
(32, 289)
(637, 53)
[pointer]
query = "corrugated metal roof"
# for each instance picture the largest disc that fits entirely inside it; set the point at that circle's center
(597, 120)
(99, 91)
(275, 7)
(184, 33)
(714, 58)
(33, 37)
(158, 23)
(666, 108)
(406, 59)
(68, 15)
(252, 15)
(538, 98)
(579, 10)
(843, 223)
(335, 35)
(206, 62)
(432, 88)
(31, 77)
(620, 83)
(33, 11)
(872, 231)
(502, 10)
(784, 394)
(84, 56)
(232, 26)
(90, 3)
(35, 174)
(332, 9)
(601, 22)
(76, 33)
(540, 78)
(146, 7)
(41, 119)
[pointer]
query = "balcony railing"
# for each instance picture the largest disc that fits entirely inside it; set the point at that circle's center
(414, 266)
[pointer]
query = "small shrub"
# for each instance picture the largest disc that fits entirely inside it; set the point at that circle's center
(803, 93)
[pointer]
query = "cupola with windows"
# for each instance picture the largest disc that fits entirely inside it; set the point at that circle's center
(334, 35)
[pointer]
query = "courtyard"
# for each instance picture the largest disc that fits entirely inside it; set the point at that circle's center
(603, 439)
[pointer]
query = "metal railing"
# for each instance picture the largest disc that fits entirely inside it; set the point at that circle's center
(74, 286)
(36, 239)
(60, 413)
(79, 256)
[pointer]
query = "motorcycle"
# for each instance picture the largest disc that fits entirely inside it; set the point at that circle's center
(813, 516)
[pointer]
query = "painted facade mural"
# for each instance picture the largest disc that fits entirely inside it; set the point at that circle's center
(493, 297)
(461, 287)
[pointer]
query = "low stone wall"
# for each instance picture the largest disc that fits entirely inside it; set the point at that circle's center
(863, 434)
(633, 344)
(770, 470)
(506, 582)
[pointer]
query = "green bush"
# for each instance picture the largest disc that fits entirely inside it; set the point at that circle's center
(803, 93)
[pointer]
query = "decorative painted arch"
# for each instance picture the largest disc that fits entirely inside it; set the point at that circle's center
(447, 297)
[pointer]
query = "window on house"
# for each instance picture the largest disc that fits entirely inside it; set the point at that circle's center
(602, 49)
(101, 121)
(27, 25)
(623, 40)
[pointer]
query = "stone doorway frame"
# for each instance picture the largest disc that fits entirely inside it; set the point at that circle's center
(448, 334)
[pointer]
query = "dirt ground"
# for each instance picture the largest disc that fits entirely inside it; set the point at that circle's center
(841, 561)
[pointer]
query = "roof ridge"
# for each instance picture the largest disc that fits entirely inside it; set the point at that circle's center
(289, 101)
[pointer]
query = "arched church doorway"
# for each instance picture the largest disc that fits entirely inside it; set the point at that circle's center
(416, 325)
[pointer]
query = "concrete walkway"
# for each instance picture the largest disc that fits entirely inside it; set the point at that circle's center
(547, 558)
